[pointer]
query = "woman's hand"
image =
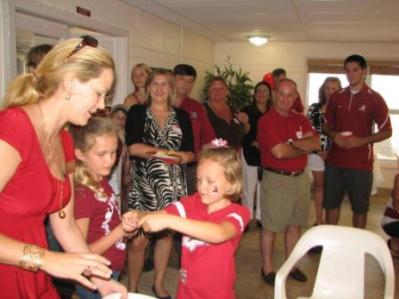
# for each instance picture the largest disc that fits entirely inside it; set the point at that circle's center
(182, 157)
(242, 118)
(76, 266)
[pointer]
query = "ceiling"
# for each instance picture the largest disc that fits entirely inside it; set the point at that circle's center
(282, 20)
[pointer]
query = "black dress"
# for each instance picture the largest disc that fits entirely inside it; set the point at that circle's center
(251, 153)
(232, 132)
(154, 183)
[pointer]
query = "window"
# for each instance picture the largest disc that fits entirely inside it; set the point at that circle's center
(386, 85)
(383, 78)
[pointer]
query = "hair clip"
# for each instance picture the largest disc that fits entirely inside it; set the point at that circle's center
(219, 142)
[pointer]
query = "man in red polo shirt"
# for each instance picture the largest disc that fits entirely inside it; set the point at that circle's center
(351, 114)
(203, 133)
(285, 138)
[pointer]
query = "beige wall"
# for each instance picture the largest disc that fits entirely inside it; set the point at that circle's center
(293, 56)
(152, 40)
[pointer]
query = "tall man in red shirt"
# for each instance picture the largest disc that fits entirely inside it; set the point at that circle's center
(203, 133)
(350, 115)
(285, 138)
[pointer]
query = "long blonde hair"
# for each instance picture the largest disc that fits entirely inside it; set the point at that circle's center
(143, 66)
(84, 138)
(85, 64)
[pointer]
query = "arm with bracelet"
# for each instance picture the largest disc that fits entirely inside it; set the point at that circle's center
(32, 257)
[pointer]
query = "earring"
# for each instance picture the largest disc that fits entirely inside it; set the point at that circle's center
(68, 97)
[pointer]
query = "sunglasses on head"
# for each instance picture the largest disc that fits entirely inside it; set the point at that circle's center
(87, 40)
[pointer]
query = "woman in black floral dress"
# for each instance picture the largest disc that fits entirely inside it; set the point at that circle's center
(160, 141)
(316, 160)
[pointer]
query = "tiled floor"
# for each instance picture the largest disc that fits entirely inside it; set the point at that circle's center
(249, 283)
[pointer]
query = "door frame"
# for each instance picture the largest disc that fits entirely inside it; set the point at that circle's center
(8, 9)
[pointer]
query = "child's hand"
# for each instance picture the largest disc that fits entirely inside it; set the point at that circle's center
(154, 222)
(130, 221)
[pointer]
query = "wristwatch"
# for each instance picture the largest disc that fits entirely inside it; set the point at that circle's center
(290, 141)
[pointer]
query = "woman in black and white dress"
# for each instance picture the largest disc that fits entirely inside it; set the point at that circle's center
(160, 141)
(316, 160)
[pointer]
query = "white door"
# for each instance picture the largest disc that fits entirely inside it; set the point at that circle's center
(32, 31)
(19, 31)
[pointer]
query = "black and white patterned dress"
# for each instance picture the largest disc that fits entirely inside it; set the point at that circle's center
(155, 184)
(317, 118)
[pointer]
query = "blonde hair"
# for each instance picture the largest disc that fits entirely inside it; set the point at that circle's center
(143, 66)
(227, 157)
(322, 93)
(169, 79)
(84, 138)
(84, 65)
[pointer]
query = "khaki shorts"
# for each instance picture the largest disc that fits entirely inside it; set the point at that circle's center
(284, 200)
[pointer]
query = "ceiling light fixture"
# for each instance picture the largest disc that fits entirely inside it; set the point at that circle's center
(258, 40)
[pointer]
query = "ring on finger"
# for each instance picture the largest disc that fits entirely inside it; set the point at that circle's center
(87, 271)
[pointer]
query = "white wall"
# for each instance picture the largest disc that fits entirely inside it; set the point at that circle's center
(293, 57)
(152, 40)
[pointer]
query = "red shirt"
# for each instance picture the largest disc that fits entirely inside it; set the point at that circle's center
(28, 197)
(208, 270)
(202, 129)
(104, 215)
(273, 129)
(356, 113)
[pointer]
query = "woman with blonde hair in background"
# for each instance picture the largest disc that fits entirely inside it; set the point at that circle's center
(139, 75)
(69, 84)
(316, 160)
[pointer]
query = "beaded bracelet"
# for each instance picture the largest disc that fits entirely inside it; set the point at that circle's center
(32, 257)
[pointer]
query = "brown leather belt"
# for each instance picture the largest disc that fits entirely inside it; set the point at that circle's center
(284, 172)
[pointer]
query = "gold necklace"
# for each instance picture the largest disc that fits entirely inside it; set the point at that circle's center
(50, 149)
(61, 212)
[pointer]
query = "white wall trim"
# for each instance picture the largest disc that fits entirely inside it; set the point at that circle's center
(8, 59)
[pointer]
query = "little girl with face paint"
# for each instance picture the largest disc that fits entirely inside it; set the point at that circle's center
(211, 223)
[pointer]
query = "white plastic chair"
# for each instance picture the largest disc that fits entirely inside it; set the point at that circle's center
(341, 268)
(131, 296)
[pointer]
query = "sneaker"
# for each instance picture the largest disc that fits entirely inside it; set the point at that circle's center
(298, 275)
(269, 278)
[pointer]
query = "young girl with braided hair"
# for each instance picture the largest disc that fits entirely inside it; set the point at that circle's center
(97, 211)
